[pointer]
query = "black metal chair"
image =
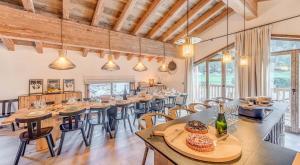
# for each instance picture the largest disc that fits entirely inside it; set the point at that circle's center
(142, 108)
(7, 109)
(93, 122)
(73, 123)
(123, 115)
(158, 105)
(181, 101)
(171, 102)
(34, 131)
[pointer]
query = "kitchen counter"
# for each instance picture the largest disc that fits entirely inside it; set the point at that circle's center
(251, 133)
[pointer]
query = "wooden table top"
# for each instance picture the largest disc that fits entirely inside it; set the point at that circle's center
(250, 132)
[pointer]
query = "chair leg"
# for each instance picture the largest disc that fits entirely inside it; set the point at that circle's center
(124, 122)
(134, 119)
(89, 130)
(19, 152)
(116, 128)
(91, 134)
(145, 155)
(13, 126)
(129, 124)
(84, 138)
(62, 137)
(52, 141)
(24, 148)
(108, 129)
(50, 145)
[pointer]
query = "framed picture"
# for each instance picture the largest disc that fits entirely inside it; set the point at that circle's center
(68, 85)
(53, 86)
(35, 86)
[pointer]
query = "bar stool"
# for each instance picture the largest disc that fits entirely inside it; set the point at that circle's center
(34, 132)
(92, 122)
(123, 115)
(71, 125)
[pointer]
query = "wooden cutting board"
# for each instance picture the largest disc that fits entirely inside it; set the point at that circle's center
(225, 150)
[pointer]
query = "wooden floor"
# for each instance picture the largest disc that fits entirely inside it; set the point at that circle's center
(125, 149)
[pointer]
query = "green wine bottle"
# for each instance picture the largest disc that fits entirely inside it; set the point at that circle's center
(221, 124)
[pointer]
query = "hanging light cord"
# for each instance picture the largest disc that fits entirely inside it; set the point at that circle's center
(227, 26)
(140, 44)
(187, 18)
(244, 27)
(109, 47)
(164, 52)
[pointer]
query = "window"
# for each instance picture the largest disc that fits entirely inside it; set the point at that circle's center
(118, 88)
(96, 90)
(213, 78)
(110, 88)
(278, 45)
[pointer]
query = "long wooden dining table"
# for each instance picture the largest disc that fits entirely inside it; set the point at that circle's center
(55, 120)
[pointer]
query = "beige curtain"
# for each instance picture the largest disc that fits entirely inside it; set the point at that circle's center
(252, 80)
(189, 62)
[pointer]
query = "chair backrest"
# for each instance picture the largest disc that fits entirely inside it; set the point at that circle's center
(148, 119)
(70, 115)
(182, 99)
(34, 124)
(6, 107)
(172, 99)
(174, 111)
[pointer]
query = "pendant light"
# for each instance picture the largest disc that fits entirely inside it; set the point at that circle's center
(140, 67)
(62, 62)
(164, 66)
(110, 65)
(187, 47)
(226, 54)
(243, 57)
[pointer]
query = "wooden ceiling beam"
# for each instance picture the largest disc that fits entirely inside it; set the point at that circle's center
(98, 12)
(66, 9)
(28, 5)
(116, 55)
(182, 21)
(150, 58)
(199, 21)
(238, 7)
(175, 8)
(151, 9)
(9, 44)
(85, 52)
(39, 47)
(101, 54)
(212, 22)
(36, 27)
(125, 12)
(129, 56)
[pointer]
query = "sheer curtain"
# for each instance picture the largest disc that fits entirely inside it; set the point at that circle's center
(189, 63)
(253, 79)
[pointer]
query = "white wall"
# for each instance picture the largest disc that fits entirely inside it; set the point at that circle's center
(17, 67)
(268, 11)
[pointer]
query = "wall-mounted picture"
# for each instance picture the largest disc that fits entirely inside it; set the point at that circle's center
(68, 85)
(53, 86)
(35, 86)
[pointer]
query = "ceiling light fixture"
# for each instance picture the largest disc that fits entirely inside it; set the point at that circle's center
(62, 62)
(140, 67)
(164, 66)
(243, 57)
(110, 65)
(226, 54)
(188, 46)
